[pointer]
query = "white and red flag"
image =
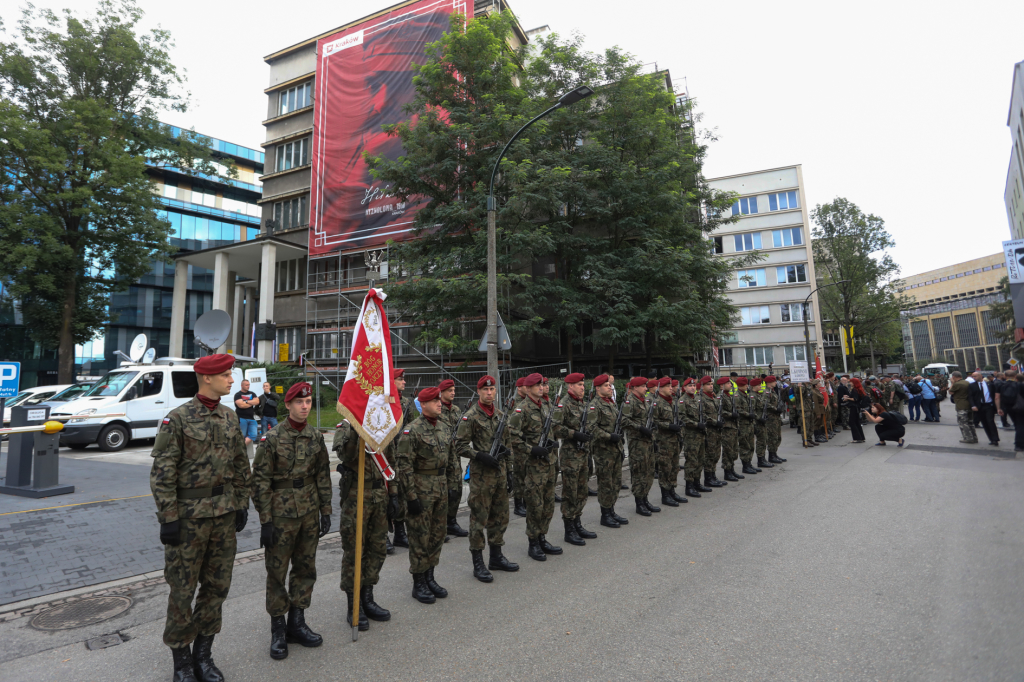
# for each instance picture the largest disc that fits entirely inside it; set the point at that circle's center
(367, 397)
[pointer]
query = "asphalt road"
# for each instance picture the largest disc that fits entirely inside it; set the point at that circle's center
(849, 562)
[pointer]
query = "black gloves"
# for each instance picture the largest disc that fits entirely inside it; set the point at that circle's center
(267, 538)
(581, 437)
(703, 427)
(675, 428)
(539, 452)
(503, 451)
(325, 525)
(414, 507)
(394, 508)
(170, 533)
(241, 518)
(614, 437)
(485, 459)
(646, 431)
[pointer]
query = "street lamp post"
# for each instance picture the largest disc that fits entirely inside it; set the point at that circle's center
(492, 258)
(807, 335)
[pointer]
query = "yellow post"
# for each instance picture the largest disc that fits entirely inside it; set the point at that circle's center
(358, 565)
(803, 419)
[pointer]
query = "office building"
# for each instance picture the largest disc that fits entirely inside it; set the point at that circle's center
(1013, 195)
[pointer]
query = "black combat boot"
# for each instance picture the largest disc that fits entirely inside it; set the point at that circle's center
(676, 496)
(819, 437)
(498, 562)
(432, 585)
(279, 638)
(571, 536)
(183, 664)
(763, 463)
(480, 571)
(388, 547)
(581, 531)
(363, 623)
(650, 506)
(420, 591)
(202, 660)
(455, 529)
(547, 547)
(774, 458)
(691, 489)
(401, 537)
(748, 468)
(667, 499)
(520, 507)
(621, 520)
(297, 630)
(712, 480)
(607, 519)
(738, 475)
(730, 475)
(641, 508)
(371, 608)
(535, 552)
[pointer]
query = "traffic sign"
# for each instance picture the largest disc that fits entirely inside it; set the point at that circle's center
(10, 379)
(504, 342)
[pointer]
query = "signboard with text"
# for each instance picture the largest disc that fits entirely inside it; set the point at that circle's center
(1013, 251)
(798, 371)
(10, 379)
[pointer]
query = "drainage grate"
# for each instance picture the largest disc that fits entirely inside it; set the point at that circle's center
(81, 613)
(102, 642)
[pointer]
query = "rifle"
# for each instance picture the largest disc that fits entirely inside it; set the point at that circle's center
(750, 406)
(455, 430)
(718, 419)
(764, 410)
(547, 422)
(700, 414)
(496, 447)
(650, 410)
(583, 420)
(675, 415)
(617, 429)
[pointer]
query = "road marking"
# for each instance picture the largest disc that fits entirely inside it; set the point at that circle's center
(76, 504)
(111, 454)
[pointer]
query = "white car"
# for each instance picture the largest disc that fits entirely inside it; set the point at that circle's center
(32, 396)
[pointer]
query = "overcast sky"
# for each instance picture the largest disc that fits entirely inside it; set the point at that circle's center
(898, 106)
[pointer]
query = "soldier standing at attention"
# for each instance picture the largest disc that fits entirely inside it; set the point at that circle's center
(713, 436)
(744, 430)
(527, 425)
(574, 458)
(607, 450)
(667, 435)
(641, 444)
(422, 458)
(200, 483)
(759, 399)
(451, 415)
(518, 464)
(488, 490)
(730, 428)
(291, 490)
(773, 423)
(409, 414)
(694, 421)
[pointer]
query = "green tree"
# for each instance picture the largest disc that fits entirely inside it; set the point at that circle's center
(79, 99)
(1003, 311)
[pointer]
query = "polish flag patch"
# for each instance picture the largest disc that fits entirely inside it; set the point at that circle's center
(167, 420)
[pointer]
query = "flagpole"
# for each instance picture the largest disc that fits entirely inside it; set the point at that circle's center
(359, 540)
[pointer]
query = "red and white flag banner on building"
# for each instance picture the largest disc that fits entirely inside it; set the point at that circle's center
(367, 397)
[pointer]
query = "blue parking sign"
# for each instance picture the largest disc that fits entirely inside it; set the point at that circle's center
(10, 377)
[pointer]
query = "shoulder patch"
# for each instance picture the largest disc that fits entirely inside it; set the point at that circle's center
(167, 420)
(519, 409)
(559, 404)
(263, 439)
(465, 419)
(406, 431)
(627, 402)
(592, 407)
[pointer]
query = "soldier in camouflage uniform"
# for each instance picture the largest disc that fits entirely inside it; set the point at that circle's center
(691, 414)
(730, 426)
(667, 437)
(773, 423)
(713, 436)
(451, 415)
(641, 444)
(200, 483)
(519, 464)
(574, 457)
(820, 434)
(744, 408)
(488, 488)
(527, 426)
(606, 447)
(409, 415)
(760, 400)
(380, 502)
(291, 490)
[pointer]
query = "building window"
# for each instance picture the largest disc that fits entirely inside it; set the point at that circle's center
(758, 355)
(292, 213)
(782, 201)
(752, 278)
(292, 154)
(992, 326)
(794, 312)
(725, 357)
(170, 191)
(967, 329)
(798, 353)
(292, 336)
(290, 275)
(790, 274)
(747, 242)
(296, 98)
(716, 245)
(789, 237)
(756, 314)
(745, 206)
(943, 331)
(830, 340)
(922, 343)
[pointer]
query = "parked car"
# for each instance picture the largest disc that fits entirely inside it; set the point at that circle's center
(32, 396)
(69, 393)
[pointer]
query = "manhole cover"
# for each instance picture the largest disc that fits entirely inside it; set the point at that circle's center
(80, 613)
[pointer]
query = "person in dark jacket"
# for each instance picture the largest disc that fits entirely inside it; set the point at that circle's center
(1006, 400)
(983, 405)
(886, 425)
(855, 400)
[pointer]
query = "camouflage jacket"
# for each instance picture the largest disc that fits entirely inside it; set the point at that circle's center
(346, 446)
(423, 449)
(451, 416)
(663, 419)
(690, 412)
(730, 409)
(634, 415)
(711, 403)
(772, 396)
(744, 407)
(527, 423)
(197, 448)
(476, 432)
(566, 421)
(600, 424)
(285, 454)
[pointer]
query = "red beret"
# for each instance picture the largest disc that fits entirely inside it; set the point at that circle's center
(741, 381)
(722, 381)
(520, 381)
(770, 377)
(445, 385)
(485, 380)
(533, 380)
(688, 382)
(705, 380)
(397, 374)
(664, 381)
(543, 380)
(675, 382)
(428, 394)
(600, 380)
(575, 377)
(636, 381)
(214, 364)
(830, 375)
(755, 382)
(299, 390)
(652, 383)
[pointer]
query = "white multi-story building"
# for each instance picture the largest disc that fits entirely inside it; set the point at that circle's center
(772, 220)
(1013, 196)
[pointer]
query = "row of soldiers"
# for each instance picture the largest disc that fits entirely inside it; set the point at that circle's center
(202, 484)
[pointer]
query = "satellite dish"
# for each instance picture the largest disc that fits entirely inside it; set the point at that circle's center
(137, 348)
(212, 329)
(150, 355)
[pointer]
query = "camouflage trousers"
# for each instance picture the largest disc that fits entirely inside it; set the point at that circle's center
(712, 450)
(609, 475)
(641, 466)
(773, 432)
(760, 434)
(519, 474)
(488, 505)
(427, 530)
(205, 558)
(730, 447)
(668, 461)
(295, 545)
(454, 475)
(965, 420)
(693, 446)
(540, 494)
(375, 532)
(575, 474)
(745, 442)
